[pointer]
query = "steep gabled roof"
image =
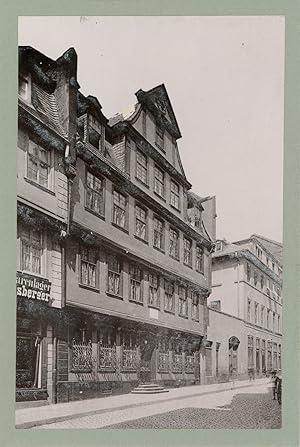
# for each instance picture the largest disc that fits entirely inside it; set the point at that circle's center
(157, 101)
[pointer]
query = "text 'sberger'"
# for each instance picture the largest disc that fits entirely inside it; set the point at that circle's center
(33, 287)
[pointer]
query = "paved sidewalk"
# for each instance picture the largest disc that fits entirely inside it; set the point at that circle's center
(31, 417)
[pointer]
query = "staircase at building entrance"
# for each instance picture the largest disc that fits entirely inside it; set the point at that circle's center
(149, 388)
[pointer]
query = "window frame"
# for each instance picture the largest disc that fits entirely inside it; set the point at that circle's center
(143, 167)
(101, 194)
(37, 159)
(151, 285)
(197, 317)
(162, 234)
(183, 299)
(190, 252)
(125, 209)
(168, 296)
(159, 136)
(139, 219)
(31, 244)
(174, 231)
(115, 273)
(133, 281)
(89, 263)
(162, 182)
(173, 194)
(201, 250)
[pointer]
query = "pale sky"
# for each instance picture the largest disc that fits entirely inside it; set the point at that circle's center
(225, 80)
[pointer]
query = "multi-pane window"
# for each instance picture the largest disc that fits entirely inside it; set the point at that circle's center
(158, 233)
(249, 310)
(248, 272)
(38, 164)
(31, 247)
(187, 252)
(141, 167)
(169, 296)
(159, 182)
(140, 222)
(119, 209)
(114, 275)
(136, 276)
(199, 259)
(182, 301)
(256, 313)
(94, 193)
(88, 266)
(262, 281)
(174, 195)
(268, 318)
(94, 136)
(279, 328)
(274, 317)
(153, 290)
(195, 306)
(279, 356)
(159, 137)
(174, 243)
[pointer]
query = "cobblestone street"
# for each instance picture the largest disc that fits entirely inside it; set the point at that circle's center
(251, 408)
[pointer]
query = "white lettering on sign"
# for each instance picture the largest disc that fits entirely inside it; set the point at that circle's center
(29, 286)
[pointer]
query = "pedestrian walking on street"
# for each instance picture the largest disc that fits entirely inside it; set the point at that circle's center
(272, 383)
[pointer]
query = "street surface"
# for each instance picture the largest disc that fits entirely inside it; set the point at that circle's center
(248, 408)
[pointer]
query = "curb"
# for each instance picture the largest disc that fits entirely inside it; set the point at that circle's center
(51, 420)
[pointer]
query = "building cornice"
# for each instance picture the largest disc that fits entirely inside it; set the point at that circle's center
(122, 180)
(112, 313)
(246, 254)
(91, 237)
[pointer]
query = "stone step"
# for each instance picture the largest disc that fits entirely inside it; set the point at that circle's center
(153, 388)
(143, 391)
(148, 385)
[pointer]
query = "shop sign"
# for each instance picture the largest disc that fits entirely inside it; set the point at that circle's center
(33, 287)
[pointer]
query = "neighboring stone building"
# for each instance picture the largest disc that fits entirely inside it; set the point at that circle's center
(46, 136)
(108, 227)
(245, 308)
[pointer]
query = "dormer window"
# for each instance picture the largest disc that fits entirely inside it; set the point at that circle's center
(94, 133)
(219, 246)
(25, 87)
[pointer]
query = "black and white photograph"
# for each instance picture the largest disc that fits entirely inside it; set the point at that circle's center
(149, 222)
